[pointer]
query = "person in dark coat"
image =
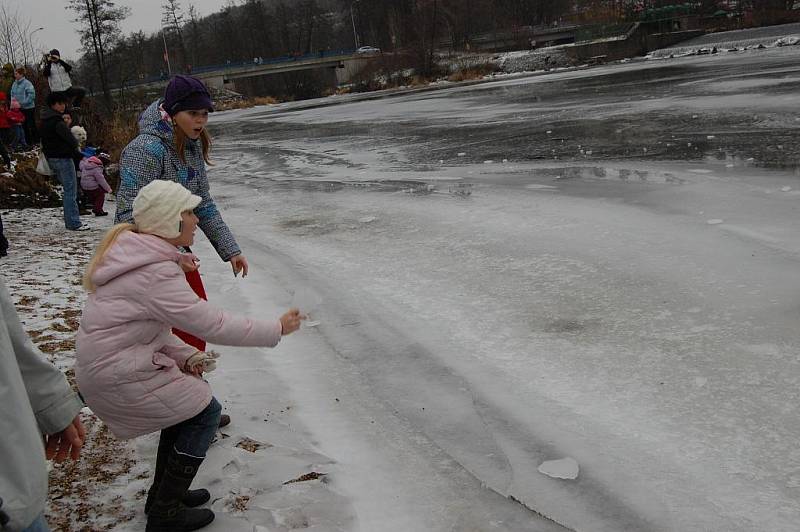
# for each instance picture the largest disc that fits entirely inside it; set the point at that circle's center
(61, 149)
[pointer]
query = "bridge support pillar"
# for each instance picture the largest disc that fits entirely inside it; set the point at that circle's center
(217, 82)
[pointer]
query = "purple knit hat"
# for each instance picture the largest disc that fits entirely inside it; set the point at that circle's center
(186, 93)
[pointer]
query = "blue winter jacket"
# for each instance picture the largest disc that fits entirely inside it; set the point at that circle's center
(152, 155)
(24, 92)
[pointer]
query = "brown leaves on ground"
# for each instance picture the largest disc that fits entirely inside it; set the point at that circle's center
(305, 478)
(238, 503)
(251, 445)
(77, 488)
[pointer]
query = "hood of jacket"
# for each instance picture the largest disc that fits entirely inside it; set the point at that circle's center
(132, 251)
(48, 114)
(90, 163)
(155, 121)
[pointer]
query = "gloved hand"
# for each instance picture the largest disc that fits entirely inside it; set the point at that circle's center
(202, 361)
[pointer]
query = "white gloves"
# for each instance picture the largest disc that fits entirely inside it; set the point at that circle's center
(206, 359)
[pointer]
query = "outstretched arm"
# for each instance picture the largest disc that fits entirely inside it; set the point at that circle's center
(172, 301)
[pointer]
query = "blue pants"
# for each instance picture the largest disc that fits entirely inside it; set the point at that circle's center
(65, 173)
(19, 137)
(38, 525)
(193, 436)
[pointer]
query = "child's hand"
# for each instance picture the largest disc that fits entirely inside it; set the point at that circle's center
(197, 371)
(291, 321)
(188, 262)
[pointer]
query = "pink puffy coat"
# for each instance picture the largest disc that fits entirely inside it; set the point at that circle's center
(92, 176)
(128, 362)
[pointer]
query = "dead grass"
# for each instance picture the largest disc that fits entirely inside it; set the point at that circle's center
(245, 103)
(472, 73)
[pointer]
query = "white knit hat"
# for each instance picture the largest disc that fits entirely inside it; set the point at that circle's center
(158, 206)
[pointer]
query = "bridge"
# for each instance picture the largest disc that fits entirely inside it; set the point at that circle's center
(348, 62)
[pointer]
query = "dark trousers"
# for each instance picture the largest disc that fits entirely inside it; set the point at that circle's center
(97, 197)
(193, 436)
(76, 94)
(4, 154)
(3, 241)
(31, 133)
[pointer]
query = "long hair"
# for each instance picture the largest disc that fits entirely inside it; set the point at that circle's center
(108, 240)
(180, 143)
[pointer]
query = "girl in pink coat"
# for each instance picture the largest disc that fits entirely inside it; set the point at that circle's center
(94, 184)
(133, 372)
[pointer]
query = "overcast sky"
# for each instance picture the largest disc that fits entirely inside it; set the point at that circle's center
(61, 33)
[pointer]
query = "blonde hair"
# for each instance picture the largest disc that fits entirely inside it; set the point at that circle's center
(99, 252)
(180, 143)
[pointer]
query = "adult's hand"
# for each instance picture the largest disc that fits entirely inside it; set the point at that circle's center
(66, 443)
(239, 265)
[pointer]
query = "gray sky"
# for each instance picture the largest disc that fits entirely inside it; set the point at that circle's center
(60, 32)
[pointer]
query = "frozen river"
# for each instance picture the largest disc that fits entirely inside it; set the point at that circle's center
(598, 264)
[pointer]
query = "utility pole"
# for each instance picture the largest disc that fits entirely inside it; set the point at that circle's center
(166, 52)
(353, 20)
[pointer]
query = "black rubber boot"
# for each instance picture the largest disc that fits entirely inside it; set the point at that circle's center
(168, 513)
(193, 498)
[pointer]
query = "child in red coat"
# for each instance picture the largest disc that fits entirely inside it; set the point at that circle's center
(5, 125)
(16, 119)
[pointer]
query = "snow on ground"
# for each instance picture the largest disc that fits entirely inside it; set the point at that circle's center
(247, 468)
(783, 35)
(265, 471)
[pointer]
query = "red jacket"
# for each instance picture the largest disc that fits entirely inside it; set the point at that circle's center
(15, 116)
(4, 123)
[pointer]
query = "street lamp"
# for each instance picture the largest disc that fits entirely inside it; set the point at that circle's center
(353, 20)
(30, 37)
(30, 44)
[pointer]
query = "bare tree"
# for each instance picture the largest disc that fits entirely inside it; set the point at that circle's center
(16, 40)
(99, 20)
(173, 21)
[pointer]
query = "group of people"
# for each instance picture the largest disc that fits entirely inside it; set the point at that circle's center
(17, 116)
(63, 146)
(18, 128)
(141, 346)
(19, 132)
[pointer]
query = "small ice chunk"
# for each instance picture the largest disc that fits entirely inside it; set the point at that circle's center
(689, 144)
(550, 131)
(710, 137)
(566, 468)
(715, 221)
(695, 116)
(786, 189)
(367, 219)
(441, 161)
(729, 165)
(700, 381)
(588, 152)
(505, 161)
(462, 154)
(488, 161)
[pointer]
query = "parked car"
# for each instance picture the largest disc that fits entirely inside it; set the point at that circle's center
(368, 50)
